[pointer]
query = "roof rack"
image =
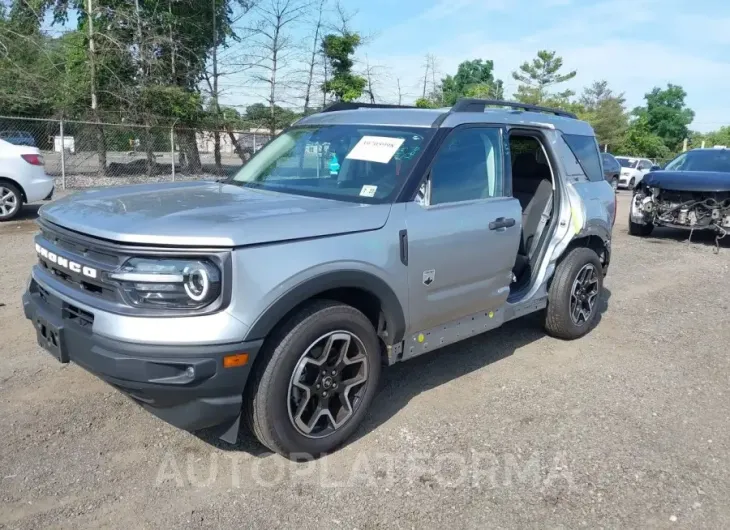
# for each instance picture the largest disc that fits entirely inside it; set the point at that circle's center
(480, 105)
(344, 105)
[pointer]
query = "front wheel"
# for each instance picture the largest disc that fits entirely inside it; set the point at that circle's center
(614, 184)
(320, 376)
(632, 183)
(575, 295)
(640, 230)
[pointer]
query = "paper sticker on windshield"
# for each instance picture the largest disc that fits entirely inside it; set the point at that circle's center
(376, 149)
(368, 191)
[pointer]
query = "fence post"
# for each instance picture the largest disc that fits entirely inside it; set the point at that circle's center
(63, 155)
(172, 150)
(254, 143)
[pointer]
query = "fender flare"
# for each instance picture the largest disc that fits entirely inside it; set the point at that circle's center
(596, 229)
(310, 288)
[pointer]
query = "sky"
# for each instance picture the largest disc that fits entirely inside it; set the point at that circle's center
(634, 44)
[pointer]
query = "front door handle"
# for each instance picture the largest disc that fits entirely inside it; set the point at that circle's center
(501, 222)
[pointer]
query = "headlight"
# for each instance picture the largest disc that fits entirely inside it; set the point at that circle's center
(169, 283)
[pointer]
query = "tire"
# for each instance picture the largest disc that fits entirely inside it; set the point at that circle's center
(614, 184)
(11, 201)
(558, 320)
(632, 183)
(640, 230)
(269, 401)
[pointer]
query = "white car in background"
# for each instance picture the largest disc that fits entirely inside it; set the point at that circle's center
(23, 178)
(632, 170)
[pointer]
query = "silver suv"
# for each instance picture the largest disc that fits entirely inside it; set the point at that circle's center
(362, 236)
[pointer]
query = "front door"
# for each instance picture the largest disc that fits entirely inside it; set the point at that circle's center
(463, 232)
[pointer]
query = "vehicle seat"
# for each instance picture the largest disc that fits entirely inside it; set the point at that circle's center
(532, 215)
(527, 173)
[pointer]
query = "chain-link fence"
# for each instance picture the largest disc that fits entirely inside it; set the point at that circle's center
(85, 154)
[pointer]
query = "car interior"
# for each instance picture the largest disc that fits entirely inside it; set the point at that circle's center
(532, 185)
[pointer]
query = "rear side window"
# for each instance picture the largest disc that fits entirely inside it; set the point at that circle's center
(586, 152)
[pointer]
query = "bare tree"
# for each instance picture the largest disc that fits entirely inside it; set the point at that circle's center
(343, 17)
(220, 66)
(400, 92)
(435, 88)
(100, 139)
(276, 47)
(313, 57)
(425, 75)
(369, 73)
(434, 66)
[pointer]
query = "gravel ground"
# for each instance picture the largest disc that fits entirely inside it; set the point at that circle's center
(627, 427)
(80, 182)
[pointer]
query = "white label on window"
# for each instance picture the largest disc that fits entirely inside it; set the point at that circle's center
(376, 149)
(368, 191)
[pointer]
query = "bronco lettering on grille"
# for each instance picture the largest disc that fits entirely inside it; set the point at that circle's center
(66, 263)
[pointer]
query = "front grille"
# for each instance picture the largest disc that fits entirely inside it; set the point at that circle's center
(94, 288)
(79, 246)
(81, 250)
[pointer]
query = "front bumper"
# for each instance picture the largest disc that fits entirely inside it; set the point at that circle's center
(187, 386)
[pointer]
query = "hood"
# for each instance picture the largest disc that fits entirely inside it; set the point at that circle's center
(703, 181)
(207, 214)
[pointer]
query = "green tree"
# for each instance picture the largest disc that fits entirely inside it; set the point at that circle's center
(719, 137)
(427, 103)
(259, 115)
(666, 115)
(606, 113)
(486, 91)
(339, 50)
(537, 77)
(641, 141)
(473, 79)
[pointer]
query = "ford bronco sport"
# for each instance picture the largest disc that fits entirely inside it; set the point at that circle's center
(360, 237)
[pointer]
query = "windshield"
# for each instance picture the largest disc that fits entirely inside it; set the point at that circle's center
(630, 163)
(701, 161)
(344, 162)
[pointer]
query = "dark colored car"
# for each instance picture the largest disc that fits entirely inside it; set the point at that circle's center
(611, 169)
(18, 138)
(692, 192)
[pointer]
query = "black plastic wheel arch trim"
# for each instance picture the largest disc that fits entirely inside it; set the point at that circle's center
(390, 305)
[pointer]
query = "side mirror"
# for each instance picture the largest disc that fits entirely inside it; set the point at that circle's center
(655, 168)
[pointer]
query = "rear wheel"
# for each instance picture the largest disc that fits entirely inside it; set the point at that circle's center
(11, 201)
(320, 377)
(575, 295)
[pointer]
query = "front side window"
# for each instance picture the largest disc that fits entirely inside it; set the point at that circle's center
(585, 150)
(469, 166)
(343, 162)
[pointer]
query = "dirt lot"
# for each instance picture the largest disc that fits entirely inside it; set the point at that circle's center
(627, 427)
